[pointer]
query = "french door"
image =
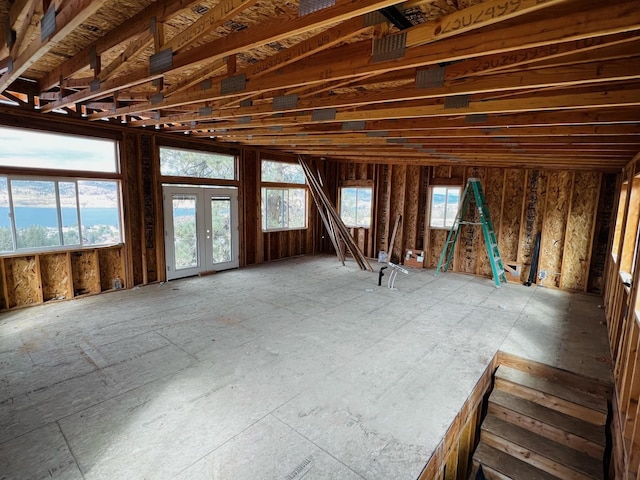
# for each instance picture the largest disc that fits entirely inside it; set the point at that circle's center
(201, 230)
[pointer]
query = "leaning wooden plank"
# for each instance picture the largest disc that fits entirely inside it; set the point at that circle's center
(317, 183)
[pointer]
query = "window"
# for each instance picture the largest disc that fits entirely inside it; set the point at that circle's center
(49, 210)
(190, 163)
(284, 201)
(355, 206)
(33, 149)
(444, 206)
(37, 213)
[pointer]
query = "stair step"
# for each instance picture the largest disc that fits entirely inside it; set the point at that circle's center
(556, 396)
(552, 457)
(544, 421)
(498, 465)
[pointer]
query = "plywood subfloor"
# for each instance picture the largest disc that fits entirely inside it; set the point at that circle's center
(296, 369)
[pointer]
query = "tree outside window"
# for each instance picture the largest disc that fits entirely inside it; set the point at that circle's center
(284, 201)
(355, 206)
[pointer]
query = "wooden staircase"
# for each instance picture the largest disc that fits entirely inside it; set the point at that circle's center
(542, 424)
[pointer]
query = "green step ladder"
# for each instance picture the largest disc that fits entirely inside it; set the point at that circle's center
(474, 188)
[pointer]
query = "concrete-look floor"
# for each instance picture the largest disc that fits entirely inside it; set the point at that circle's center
(301, 368)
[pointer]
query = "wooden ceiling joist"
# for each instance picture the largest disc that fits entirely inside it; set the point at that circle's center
(533, 82)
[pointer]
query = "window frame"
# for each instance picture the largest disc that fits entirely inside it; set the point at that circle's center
(368, 186)
(264, 185)
(56, 180)
(447, 187)
(197, 180)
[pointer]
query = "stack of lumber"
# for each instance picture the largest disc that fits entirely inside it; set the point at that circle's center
(336, 229)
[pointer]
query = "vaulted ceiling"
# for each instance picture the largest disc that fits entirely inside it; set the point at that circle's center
(544, 83)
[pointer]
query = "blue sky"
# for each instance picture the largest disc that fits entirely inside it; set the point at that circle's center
(33, 149)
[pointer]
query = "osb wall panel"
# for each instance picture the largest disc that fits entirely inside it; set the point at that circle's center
(437, 240)
(111, 267)
(601, 235)
(535, 195)
(580, 224)
(470, 238)
(554, 226)
(55, 274)
(440, 171)
(23, 284)
(398, 186)
(412, 208)
(383, 206)
(86, 272)
(511, 214)
(493, 187)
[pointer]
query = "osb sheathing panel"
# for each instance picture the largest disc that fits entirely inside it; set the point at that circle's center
(441, 171)
(511, 214)
(457, 171)
(575, 263)
(437, 240)
(398, 184)
(534, 198)
(111, 266)
(470, 238)
(382, 210)
(553, 228)
(54, 270)
(86, 272)
(493, 184)
(412, 206)
(23, 284)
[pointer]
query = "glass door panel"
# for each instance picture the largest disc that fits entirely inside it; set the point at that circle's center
(221, 246)
(185, 238)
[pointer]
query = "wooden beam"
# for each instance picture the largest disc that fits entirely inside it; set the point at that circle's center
(72, 14)
(617, 70)
(137, 24)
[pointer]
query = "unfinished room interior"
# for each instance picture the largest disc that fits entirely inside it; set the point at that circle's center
(319, 239)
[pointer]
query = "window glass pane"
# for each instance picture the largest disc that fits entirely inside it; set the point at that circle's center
(438, 198)
(99, 213)
(221, 229)
(348, 206)
(35, 213)
(453, 195)
(69, 213)
(34, 149)
(364, 207)
(191, 163)
(184, 231)
(284, 208)
(6, 237)
(355, 206)
(297, 208)
(273, 209)
(282, 172)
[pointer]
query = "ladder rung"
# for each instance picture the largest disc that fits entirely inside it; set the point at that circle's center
(470, 223)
